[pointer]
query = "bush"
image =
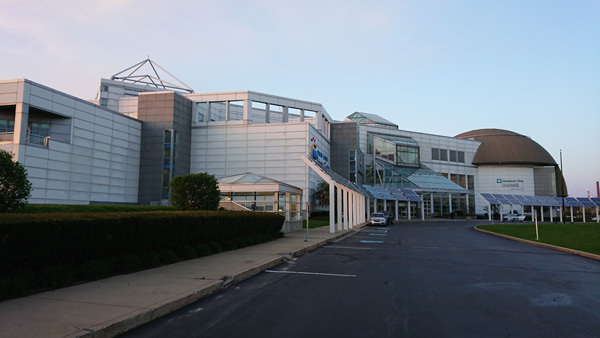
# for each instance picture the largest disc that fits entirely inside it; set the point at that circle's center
(50, 250)
(215, 247)
(58, 275)
(167, 257)
(15, 189)
(203, 250)
(96, 269)
(195, 192)
(187, 252)
(127, 263)
(149, 260)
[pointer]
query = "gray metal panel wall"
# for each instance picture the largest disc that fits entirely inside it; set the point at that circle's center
(344, 137)
(161, 111)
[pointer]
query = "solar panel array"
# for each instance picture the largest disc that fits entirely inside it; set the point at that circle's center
(544, 201)
(393, 194)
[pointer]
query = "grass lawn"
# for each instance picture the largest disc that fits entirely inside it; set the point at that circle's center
(578, 236)
(315, 223)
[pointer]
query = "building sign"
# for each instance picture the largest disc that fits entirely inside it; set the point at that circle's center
(317, 155)
(513, 185)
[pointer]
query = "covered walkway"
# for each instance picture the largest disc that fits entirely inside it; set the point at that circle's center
(542, 201)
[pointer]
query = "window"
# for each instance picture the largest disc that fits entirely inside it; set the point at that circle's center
(103, 102)
(200, 111)
(470, 182)
(462, 181)
(435, 154)
(385, 149)
(443, 154)
(461, 157)
(454, 178)
(217, 111)
(408, 156)
(36, 132)
(7, 126)
(169, 160)
(453, 157)
(352, 167)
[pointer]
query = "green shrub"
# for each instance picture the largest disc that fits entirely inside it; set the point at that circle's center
(127, 263)
(187, 252)
(149, 260)
(203, 249)
(195, 192)
(19, 283)
(167, 257)
(60, 248)
(96, 269)
(240, 242)
(215, 247)
(229, 245)
(57, 276)
(15, 189)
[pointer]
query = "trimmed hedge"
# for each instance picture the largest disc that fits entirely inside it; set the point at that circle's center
(36, 241)
(53, 250)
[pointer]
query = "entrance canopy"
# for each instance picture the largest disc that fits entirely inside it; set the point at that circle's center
(540, 201)
(350, 205)
(544, 201)
(422, 178)
(392, 194)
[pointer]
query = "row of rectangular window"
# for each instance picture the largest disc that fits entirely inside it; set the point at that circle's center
(465, 181)
(439, 154)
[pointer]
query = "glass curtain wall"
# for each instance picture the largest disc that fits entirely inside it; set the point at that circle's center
(286, 204)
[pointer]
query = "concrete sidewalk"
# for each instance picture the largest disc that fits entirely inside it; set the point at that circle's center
(111, 306)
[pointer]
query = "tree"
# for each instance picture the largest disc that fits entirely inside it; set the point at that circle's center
(195, 192)
(322, 194)
(15, 189)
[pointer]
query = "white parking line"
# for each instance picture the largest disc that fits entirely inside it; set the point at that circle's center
(310, 273)
(346, 247)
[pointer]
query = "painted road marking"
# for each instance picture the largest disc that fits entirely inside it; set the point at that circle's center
(377, 234)
(382, 228)
(378, 242)
(346, 247)
(311, 273)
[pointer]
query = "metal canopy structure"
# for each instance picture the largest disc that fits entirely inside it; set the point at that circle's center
(351, 199)
(396, 195)
(392, 194)
(544, 201)
(151, 79)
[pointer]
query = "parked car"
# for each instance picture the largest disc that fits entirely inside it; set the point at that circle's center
(378, 218)
(513, 218)
(389, 215)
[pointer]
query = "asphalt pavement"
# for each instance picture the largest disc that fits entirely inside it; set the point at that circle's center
(409, 279)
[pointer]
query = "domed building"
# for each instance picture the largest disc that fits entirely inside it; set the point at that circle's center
(511, 163)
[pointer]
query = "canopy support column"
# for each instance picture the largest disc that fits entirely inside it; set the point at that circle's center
(332, 206)
(571, 214)
(340, 221)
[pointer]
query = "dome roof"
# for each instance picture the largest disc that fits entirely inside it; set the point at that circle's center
(506, 147)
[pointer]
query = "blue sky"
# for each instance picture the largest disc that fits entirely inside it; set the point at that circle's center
(440, 67)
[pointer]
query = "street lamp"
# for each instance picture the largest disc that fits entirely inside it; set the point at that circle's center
(562, 182)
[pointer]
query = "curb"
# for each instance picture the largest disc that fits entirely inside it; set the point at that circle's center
(543, 245)
(122, 326)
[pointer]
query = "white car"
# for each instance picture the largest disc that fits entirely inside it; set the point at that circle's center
(513, 218)
(378, 218)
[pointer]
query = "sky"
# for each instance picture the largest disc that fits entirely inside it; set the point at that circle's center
(438, 67)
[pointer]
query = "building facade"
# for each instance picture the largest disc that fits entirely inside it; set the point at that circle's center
(129, 142)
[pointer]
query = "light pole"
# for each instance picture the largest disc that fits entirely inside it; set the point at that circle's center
(562, 183)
